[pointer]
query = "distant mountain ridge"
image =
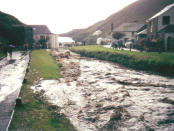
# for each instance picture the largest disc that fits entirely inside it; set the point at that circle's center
(138, 11)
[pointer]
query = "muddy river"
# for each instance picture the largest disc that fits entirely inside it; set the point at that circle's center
(97, 95)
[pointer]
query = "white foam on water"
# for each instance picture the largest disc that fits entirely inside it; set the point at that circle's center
(12, 74)
(90, 101)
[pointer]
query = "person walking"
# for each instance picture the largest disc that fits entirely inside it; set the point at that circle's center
(10, 50)
(26, 45)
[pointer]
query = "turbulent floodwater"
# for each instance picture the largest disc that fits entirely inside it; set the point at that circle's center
(98, 95)
(12, 73)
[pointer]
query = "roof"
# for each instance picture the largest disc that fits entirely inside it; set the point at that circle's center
(168, 29)
(66, 40)
(162, 11)
(129, 27)
(40, 29)
(142, 32)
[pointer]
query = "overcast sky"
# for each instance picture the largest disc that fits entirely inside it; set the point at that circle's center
(62, 15)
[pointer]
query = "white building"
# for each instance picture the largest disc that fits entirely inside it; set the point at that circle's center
(66, 41)
(162, 25)
(43, 37)
(103, 41)
(54, 41)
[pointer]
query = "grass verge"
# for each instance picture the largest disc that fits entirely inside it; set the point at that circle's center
(34, 114)
(149, 61)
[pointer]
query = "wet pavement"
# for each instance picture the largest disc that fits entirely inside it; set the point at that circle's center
(102, 96)
(12, 73)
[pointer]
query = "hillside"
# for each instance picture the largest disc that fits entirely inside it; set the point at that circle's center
(9, 19)
(11, 30)
(138, 11)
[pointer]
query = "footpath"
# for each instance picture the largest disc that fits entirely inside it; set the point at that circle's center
(12, 73)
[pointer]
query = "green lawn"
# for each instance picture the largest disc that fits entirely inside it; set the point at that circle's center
(34, 115)
(151, 61)
(43, 63)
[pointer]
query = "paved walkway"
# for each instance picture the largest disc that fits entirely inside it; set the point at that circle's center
(12, 73)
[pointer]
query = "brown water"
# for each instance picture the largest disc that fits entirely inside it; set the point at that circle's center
(98, 95)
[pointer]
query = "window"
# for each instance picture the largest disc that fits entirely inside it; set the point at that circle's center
(125, 39)
(47, 37)
(166, 20)
(42, 37)
(132, 34)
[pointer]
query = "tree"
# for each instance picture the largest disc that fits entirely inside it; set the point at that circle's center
(118, 35)
(3, 42)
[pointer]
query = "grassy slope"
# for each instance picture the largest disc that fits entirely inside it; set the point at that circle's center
(33, 115)
(150, 61)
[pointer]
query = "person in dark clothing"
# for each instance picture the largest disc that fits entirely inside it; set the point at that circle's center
(26, 47)
(8, 49)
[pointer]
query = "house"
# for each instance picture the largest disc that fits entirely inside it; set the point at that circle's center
(103, 41)
(142, 33)
(129, 30)
(43, 38)
(66, 41)
(54, 43)
(161, 25)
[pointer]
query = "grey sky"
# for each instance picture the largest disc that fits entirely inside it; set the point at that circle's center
(62, 15)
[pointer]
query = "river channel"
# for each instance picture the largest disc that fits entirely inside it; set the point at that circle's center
(98, 95)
